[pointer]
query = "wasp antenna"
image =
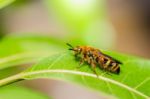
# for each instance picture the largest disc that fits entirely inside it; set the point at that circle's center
(70, 49)
(70, 46)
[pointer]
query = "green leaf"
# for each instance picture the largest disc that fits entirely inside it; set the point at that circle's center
(17, 50)
(19, 92)
(4, 3)
(132, 82)
(9, 72)
(28, 43)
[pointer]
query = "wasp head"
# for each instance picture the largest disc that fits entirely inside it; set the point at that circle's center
(76, 49)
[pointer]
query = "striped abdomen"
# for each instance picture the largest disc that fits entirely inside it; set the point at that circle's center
(108, 64)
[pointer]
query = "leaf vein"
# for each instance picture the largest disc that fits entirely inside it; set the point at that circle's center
(89, 75)
(146, 80)
(109, 87)
(56, 60)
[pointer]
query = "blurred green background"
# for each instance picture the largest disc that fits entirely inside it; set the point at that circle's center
(118, 25)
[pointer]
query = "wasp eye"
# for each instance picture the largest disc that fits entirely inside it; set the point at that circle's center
(79, 49)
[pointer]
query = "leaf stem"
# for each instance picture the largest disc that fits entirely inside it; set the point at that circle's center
(25, 75)
(11, 79)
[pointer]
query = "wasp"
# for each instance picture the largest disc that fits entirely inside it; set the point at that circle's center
(95, 57)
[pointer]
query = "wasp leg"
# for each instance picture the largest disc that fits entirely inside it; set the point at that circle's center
(81, 63)
(104, 68)
(106, 71)
(94, 67)
(83, 59)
